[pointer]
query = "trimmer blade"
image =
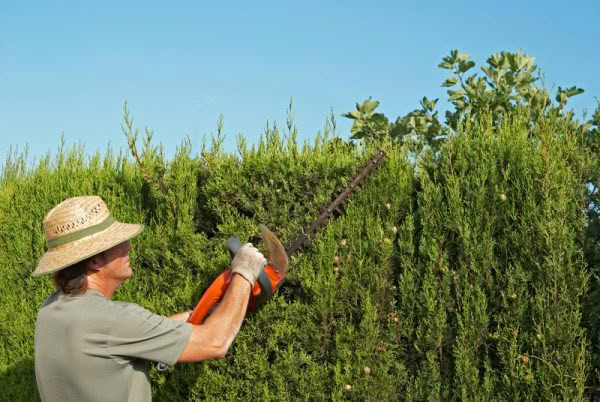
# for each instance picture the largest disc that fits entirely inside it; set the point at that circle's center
(277, 257)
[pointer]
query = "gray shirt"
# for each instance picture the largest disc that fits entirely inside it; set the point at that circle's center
(90, 348)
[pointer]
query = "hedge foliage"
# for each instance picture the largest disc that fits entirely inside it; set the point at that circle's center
(456, 275)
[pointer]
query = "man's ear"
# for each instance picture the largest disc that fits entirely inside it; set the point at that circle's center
(94, 263)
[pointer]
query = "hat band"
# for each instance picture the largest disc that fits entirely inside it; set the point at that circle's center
(80, 234)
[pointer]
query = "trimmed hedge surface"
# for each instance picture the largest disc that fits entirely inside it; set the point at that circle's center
(451, 276)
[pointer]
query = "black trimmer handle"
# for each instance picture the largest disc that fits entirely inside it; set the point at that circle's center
(234, 245)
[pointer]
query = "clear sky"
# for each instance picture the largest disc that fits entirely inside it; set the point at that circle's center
(67, 67)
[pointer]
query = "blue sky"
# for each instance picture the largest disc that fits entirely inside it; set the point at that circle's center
(67, 67)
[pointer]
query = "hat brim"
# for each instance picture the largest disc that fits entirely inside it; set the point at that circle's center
(68, 254)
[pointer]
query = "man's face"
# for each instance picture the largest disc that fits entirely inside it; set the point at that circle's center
(117, 262)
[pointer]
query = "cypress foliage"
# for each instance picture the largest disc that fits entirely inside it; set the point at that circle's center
(491, 293)
(459, 276)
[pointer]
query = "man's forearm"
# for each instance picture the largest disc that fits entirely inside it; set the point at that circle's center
(183, 316)
(230, 313)
(213, 338)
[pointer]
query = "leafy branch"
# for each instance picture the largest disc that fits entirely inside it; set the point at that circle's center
(154, 174)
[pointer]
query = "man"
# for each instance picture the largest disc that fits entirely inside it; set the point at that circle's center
(90, 348)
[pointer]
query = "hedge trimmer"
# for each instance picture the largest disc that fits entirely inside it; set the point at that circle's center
(273, 275)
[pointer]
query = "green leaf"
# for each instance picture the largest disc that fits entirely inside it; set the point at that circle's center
(464, 66)
(463, 57)
(449, 61)
(450, 82)
(529, 63)
(428, 105)
(574, 91)
(379, 118)
(368, 106)
(455, 94)
(354, 115)
(561, 97)
(471, 92)
(487, 71)
(511, 57)
(495, 60)
(510, 78)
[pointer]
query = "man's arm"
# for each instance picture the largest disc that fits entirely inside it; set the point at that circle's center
(212, 339)
(183, 316)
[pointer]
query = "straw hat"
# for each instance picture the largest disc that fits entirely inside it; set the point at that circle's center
(79, 228)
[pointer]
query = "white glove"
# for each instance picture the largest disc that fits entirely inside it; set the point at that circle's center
(248, 262)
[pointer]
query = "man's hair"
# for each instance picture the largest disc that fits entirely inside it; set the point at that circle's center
(73, 280)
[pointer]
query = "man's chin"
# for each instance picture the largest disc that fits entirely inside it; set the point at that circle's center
(128, 275)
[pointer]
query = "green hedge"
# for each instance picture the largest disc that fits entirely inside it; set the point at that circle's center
(451, 275)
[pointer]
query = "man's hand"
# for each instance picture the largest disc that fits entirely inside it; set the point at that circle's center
(248, 262)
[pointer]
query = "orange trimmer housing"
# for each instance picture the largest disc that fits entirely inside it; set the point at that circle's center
(270, 279)
(217, 289)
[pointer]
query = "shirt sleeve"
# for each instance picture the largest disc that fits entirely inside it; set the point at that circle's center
(139, 333)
